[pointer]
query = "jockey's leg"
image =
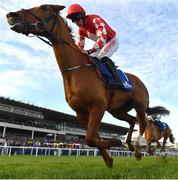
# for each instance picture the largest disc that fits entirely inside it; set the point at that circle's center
(112, 69)
(107, 51)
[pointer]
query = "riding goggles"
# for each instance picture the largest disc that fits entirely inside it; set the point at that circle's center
(76, 18)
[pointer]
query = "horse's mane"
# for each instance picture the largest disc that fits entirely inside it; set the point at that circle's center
(68, 27)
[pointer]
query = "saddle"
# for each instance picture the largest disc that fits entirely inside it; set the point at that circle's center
(105, 75)
(161, 125)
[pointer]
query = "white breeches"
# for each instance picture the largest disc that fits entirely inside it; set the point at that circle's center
(108, 49)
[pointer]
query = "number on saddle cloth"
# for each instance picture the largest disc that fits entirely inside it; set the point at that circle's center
(108, 76)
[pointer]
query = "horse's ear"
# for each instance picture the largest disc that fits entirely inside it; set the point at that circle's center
(59, 7)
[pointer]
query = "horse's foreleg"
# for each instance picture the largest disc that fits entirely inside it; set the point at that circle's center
(95, 117)
(83, 121)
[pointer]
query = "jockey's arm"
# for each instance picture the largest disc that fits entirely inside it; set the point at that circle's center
(101, 35)
(80, 42)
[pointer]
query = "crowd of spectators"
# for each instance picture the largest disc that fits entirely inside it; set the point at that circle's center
(41, 140)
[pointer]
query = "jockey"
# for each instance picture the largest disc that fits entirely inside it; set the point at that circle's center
(96, 29)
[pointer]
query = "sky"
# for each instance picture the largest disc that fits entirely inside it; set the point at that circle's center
(148, 36)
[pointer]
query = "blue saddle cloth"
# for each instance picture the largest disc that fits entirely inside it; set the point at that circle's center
(161, 125)
(110, 80)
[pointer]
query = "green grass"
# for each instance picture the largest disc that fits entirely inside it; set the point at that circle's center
(66, 167)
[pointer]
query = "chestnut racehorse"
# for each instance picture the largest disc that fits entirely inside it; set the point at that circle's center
(85, 92)
(153, 134)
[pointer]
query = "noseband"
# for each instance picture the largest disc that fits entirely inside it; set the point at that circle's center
(41, 26)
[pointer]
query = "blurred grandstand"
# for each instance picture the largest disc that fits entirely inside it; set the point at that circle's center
(22, 124)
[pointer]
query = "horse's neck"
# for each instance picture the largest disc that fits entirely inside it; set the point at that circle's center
(66, 55)
(150, 124)
(147, 122)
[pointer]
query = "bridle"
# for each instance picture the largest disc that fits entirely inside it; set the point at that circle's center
(41, 26)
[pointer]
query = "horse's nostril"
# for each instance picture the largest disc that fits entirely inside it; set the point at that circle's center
(12, 14)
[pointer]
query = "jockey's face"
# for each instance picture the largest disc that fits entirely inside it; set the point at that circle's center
(79, 22)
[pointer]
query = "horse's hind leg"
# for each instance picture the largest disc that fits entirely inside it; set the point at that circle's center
(148, 148)
(163, 145)
(158, 144)
(83, 121)
(171, 137)
(131, 120)
(141, 115)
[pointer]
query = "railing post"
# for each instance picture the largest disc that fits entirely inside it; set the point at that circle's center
(23, 151)
(36, 151)
(32, 151)
(10, 151)
(69, 152)
(59, 152)
(95, 152)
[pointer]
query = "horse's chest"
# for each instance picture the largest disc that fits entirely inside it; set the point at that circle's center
(77, 103)
(78, 106)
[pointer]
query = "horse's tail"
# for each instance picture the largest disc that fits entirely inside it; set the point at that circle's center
(157, 110)
(171, 138)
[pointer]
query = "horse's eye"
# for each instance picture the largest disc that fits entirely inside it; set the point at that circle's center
(44, 8)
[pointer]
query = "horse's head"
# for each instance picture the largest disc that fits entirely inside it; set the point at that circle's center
(149, 121)
(38, 20)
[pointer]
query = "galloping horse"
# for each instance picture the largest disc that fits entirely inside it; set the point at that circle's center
(154, 134)
(85, 92)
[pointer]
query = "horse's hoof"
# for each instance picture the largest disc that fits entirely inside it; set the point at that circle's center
(163, 154)
(109, 163)
(158, 155)
(138, 156)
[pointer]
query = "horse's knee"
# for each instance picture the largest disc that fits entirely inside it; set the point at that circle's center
(90, 142)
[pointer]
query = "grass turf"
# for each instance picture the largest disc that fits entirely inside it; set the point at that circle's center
(69, 167)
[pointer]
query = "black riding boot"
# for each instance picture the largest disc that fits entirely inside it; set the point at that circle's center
(112, 68)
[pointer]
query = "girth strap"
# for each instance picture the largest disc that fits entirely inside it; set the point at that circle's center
(76, 67)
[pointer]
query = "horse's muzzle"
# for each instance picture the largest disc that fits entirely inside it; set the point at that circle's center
(18, 27)
(15, 22)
